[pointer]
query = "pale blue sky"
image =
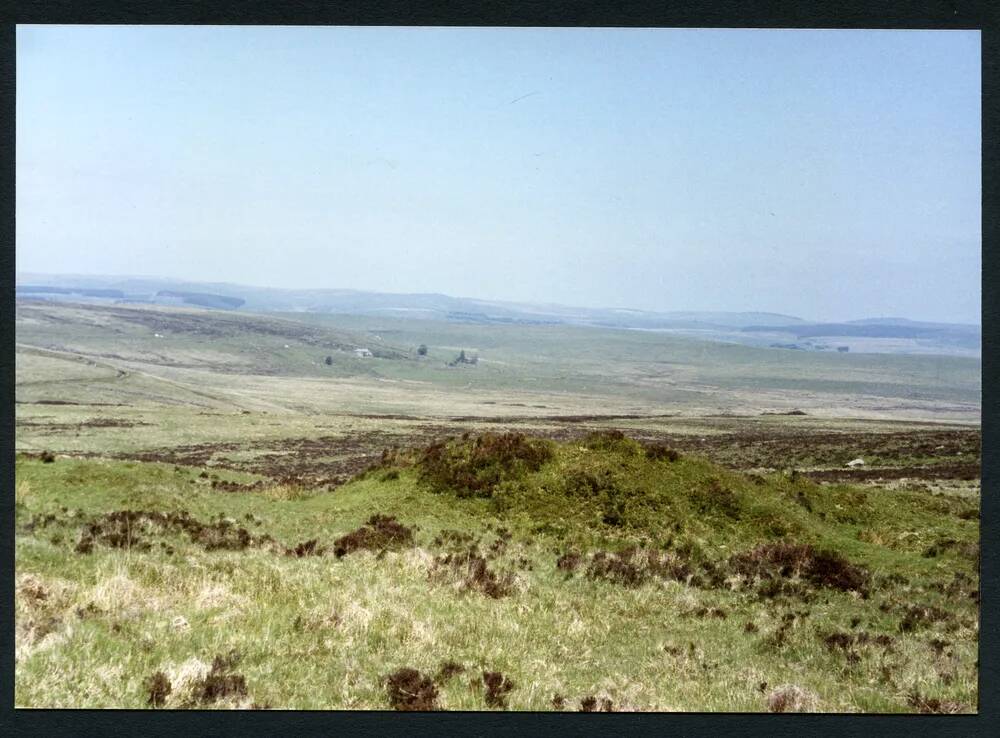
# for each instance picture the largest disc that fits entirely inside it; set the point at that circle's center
(826, 174)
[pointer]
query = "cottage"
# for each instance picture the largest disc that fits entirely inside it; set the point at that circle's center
(362, 353)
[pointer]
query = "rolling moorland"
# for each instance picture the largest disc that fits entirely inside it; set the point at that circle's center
(760, 329)
(221, 508)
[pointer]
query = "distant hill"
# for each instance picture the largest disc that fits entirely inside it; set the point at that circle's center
(200, 299)
(961, 335)
(762, 329)
(414, 305)
(41, 290)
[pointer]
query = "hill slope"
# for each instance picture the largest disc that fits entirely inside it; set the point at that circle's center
(531, 589)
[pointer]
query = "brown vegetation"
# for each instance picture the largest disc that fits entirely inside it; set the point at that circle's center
(475, 573)
(497, 688)
(773, 561)
(411, 690)
(475, 467)
(381, 532)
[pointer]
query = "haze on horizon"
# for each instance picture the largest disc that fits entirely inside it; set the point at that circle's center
(832, 175)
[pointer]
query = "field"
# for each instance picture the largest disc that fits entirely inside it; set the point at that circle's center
(220, 509)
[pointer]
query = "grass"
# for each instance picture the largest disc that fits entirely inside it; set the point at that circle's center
(181, 547)
(319, 631)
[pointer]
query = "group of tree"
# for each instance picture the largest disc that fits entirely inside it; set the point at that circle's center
(463, 359)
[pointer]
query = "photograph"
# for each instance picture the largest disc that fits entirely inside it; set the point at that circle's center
(473, 369)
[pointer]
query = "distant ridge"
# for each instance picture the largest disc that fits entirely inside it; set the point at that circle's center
(424, 305)
(873, 329)
(755, 328)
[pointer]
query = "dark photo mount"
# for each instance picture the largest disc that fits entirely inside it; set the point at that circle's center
(497, 464)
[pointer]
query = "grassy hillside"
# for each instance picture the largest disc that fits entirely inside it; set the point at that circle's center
(492, 572)
(195, 339)
(210, 515)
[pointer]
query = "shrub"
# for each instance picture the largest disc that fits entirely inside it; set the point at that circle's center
(476, 467)
(411, 690)
(715, 497)
(658, 452)
(497, 687)
(379, 533)
(610, 440)
(633, 566)
(784, 560)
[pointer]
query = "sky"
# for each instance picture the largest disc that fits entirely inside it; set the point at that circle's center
(831, 175)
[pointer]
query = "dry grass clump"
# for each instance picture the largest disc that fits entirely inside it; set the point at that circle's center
(22, 492)
(633, 566)
(43, 613)
(195, 683)
(590, 703)
(919, 616)
(933, 705)
(159, 688)
(660, 452)
(306, 548)
(285, 491)
(128, 529)
(791, 698)
(476, 574)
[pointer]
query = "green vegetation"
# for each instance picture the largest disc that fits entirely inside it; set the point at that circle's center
(211, 514)
(594, 569)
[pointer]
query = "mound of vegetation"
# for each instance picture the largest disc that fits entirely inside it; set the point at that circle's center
(608, 485)
(476, 467)
(644, 512)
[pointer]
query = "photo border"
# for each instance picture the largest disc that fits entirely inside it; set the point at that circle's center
(850, 14)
